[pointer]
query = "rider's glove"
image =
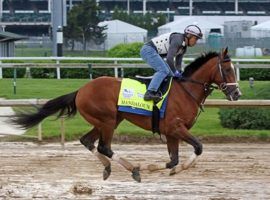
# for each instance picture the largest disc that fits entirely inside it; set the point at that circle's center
(177, 74)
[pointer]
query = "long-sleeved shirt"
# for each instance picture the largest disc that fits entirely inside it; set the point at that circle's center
(176, 51)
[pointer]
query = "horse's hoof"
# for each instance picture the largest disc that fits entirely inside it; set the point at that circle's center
(136, 174)
(173, 171)
(106, 172)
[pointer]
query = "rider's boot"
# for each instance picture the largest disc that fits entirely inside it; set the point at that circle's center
(152, 95)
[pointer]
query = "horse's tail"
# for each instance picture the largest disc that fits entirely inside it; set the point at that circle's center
(65, 105)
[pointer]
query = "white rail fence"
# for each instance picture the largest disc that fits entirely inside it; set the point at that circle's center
(115, 63)
(208, 103)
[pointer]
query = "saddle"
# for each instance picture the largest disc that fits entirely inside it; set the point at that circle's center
(147, 79)
(162, 89)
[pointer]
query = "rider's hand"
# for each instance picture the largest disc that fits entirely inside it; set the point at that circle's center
(177, 74)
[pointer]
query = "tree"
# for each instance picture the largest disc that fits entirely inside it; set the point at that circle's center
(83, 22)
(149, 21)
(71, 31)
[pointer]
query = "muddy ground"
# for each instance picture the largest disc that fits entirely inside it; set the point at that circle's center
(224, 172)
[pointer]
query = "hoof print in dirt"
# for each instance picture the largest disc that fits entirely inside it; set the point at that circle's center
(82, 189)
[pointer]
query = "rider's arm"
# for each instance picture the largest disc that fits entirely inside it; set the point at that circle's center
(175, 43)
(178, 60)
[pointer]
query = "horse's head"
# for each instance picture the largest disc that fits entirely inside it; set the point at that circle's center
(225, 76)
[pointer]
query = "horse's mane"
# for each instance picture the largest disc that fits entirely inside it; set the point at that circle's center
(196, 64)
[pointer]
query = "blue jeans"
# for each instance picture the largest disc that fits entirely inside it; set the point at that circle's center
(152, 58)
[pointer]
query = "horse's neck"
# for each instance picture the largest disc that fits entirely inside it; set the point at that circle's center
(202, 75)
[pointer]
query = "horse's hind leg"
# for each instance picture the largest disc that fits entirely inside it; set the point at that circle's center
(88, 140)
(104, 147)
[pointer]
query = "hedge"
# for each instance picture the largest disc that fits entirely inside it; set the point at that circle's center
(245, 118)
(257, 74)
(9, 73)
(131, 50)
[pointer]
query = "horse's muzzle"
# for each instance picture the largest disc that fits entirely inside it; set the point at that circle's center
(234, 94)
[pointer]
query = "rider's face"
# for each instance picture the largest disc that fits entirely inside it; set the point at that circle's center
(192, 41)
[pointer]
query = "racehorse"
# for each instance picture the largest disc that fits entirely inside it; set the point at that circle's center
(97, 103)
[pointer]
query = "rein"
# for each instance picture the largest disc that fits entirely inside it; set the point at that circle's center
(208, 89)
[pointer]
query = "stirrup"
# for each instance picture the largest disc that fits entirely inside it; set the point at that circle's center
(156, 98)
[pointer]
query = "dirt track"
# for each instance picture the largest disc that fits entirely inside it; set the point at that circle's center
(223, 172)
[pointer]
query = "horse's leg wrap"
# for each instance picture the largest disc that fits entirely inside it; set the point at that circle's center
(88, 140)
(191, 161)
(104, 150)
(85, 140)
(105, 161)
(173, 163)
(198, 148)
(182, 133)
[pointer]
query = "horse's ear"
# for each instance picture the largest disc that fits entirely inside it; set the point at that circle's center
(225, 51)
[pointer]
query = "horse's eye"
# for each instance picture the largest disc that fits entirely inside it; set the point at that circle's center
(228, 70)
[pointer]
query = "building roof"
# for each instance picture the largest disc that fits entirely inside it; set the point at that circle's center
(118, 26)
(9, 37)
(262, 26)
(180, 25)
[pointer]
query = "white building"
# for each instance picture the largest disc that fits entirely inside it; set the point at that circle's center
(180, 25)
(261, 30)
(121, 32)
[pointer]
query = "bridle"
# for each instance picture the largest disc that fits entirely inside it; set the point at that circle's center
(224, 85)
(208, 88)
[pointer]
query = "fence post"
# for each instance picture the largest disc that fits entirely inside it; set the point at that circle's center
(39, 132)
(62, 132)
(58, 70)
(90, 69)
(1, 70)
(237, 72)
(115, 70)
(14, 80)
(27, 72)
(122, 72)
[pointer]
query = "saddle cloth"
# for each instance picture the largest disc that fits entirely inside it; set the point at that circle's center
(131, 97)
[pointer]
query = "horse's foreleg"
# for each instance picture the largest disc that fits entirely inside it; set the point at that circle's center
(88, 140)
(173, 149)
(183, 134)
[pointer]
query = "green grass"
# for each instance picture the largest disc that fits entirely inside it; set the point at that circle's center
(208, 123)
(39, 88)
(33, 52)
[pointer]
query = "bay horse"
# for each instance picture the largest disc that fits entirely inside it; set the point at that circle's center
(97, 103)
